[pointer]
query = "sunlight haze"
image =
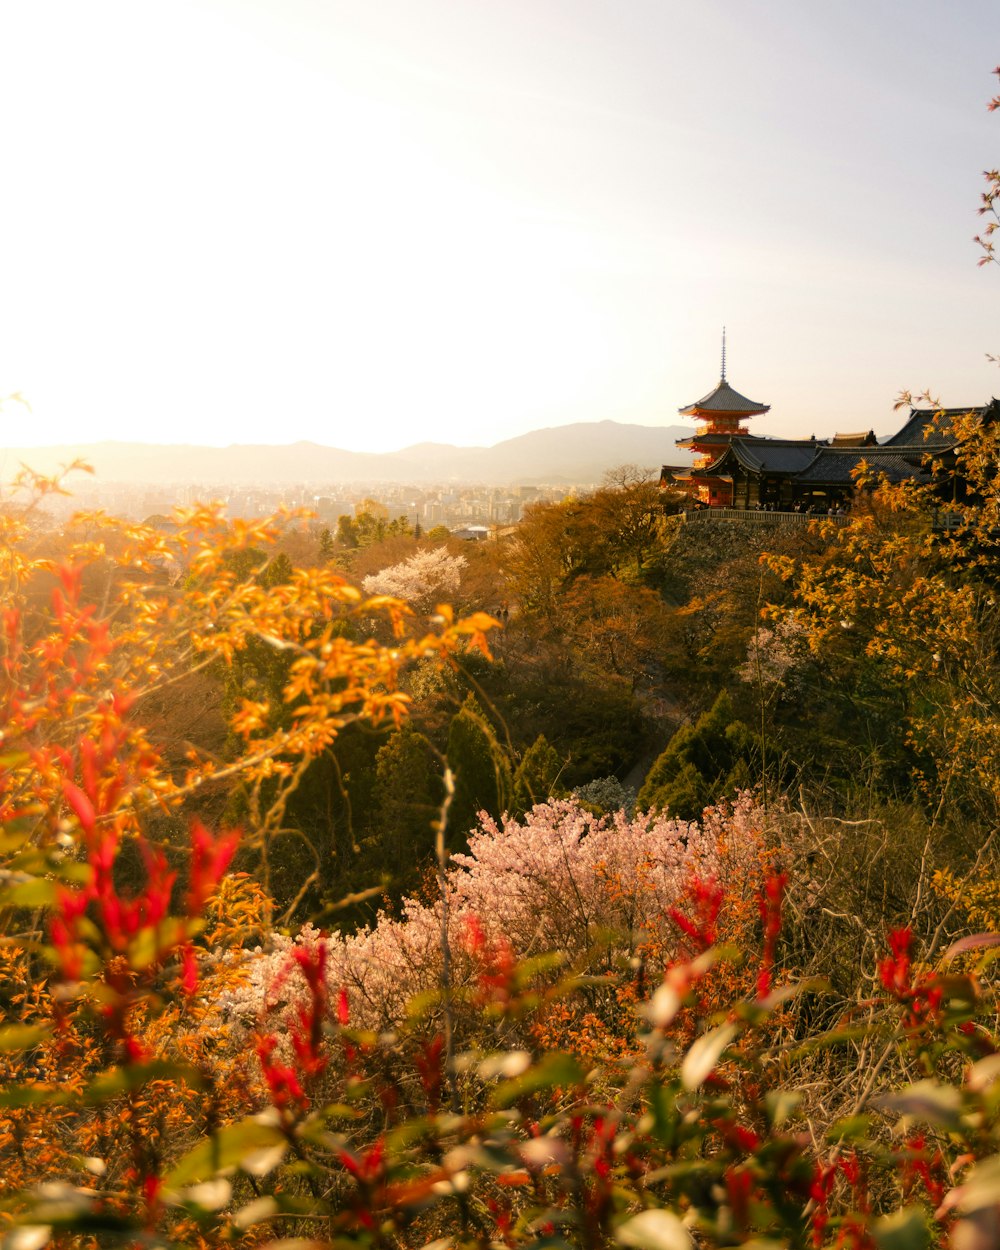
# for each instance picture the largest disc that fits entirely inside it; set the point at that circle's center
(375, 224)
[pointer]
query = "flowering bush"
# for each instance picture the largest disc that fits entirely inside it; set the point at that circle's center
(560, 880)
(424, 579)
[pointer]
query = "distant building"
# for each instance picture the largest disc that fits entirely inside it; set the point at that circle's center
(747, 471)
(722, 414)
(734, 468)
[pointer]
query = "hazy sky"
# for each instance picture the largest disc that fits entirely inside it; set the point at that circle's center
(382, 222)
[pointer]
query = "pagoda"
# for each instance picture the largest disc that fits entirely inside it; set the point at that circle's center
(722, 414)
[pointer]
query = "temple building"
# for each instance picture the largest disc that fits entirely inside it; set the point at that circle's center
(736, 469)
(722, 414)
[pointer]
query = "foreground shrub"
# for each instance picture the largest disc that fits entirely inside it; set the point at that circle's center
(595, 890)
(358, 1137)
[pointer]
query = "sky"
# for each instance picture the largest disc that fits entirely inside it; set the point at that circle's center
(375, 223)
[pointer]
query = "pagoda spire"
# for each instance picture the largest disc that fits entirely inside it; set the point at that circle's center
(723, 353)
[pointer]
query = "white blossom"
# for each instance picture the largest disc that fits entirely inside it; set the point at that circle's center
(556, 880)
(423, 580)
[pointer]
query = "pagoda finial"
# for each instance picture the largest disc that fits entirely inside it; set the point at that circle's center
(723, 353)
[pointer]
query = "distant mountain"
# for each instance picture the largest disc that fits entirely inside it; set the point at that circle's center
(583, 452)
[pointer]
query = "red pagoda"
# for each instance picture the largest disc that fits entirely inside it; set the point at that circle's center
(722, 414)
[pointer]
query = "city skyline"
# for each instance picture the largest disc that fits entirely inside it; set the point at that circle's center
(239, 221)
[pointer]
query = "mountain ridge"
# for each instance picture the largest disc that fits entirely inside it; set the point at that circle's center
(578, 453)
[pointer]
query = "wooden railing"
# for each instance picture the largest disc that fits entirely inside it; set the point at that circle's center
(759, 516)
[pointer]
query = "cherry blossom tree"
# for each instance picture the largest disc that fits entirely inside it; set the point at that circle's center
(423, 580)
(559, 879)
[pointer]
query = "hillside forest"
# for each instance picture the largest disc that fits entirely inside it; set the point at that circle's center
(627, 879)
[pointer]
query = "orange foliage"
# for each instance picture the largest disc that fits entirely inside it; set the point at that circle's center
(112, 1060)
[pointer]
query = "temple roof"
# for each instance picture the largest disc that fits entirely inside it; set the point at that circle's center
(931, 427)
(761, 455)
(838, 464)
(724, 399)
(854, 440)
(809, 462)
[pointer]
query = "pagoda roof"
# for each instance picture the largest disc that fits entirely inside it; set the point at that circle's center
(724, 399)
(716, 438)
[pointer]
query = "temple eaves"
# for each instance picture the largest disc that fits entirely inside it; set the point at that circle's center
(724, 399)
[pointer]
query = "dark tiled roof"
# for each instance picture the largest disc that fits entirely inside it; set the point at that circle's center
(854, 440)
(718, 439)
(724, 399)
(837, 464)
(762, 455)
(931, 427)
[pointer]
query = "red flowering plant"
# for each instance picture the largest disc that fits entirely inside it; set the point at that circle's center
(520, 1143)
(112, 942)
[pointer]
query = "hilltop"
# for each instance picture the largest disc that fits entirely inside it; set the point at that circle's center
(582, 452)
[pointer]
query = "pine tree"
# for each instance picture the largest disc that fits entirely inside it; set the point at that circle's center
(702, 763)
(347, 534)
(536, 775)
(278, 572)
(480, 768)
(327, 547)
(410, 791)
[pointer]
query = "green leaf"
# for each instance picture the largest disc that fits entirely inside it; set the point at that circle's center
(781, 1105)
(937, 1104)
(420, 1004)
(270, 1205)
(23, 1036)
(554, 1069)
(666, 1118)
(38, 892)
(852, 1128)
(835, 1037)
(75, 873)
(33, 1096)
(528, 969)
(784, 993)
(229, 1148)
(903, 1230)
(705, 1053)
(654, 1229)
(151, 943)
(14, 834)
